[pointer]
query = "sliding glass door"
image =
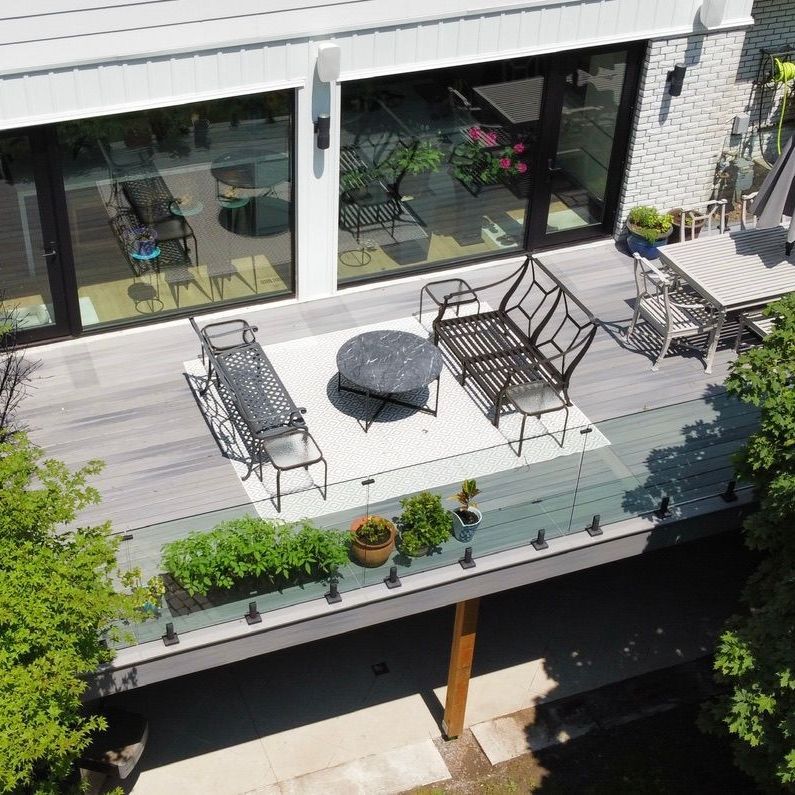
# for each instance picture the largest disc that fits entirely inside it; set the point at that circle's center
(31, 283)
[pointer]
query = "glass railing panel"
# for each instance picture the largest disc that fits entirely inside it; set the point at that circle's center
(617, 469)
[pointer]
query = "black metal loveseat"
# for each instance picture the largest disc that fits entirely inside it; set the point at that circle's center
(524, 352)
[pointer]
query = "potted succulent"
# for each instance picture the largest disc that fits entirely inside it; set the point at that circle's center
(424, 524)
(372, 540)
(648, 229)
(466, 517)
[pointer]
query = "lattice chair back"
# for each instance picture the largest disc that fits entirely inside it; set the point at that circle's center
(708, 216)
(562, 339)
(531, 297)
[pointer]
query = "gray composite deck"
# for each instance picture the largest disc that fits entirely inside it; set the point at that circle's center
(123, 398)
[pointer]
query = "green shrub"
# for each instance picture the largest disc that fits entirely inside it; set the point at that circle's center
(424, 522)
(277, 552)
(375, 530)
(649, 223)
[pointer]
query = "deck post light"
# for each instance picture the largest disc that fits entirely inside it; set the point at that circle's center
(676, 79)
(392, 581)
(333, 596)
(729, 495)
(662, 512)
(253, 616)
(540, 542)
(171, 638)
(466, 562)
(594, 529)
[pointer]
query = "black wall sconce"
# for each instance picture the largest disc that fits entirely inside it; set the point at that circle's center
(676, 79)
(323, 130)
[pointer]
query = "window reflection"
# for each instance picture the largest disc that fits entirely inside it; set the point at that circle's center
(180, 207)
(436, 166)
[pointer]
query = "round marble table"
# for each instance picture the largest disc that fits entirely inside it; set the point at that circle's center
(383, 364)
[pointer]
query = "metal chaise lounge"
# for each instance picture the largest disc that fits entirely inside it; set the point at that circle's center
(257, 400)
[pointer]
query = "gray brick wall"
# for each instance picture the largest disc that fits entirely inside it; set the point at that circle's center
(677, 142)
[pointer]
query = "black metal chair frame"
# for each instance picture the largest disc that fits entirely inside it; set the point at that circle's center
(539, 333)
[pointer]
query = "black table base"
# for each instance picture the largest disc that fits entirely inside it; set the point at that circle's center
(384, 399)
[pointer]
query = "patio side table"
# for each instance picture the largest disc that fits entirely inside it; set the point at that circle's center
(291, 450)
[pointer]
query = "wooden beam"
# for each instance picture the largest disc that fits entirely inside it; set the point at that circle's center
(461, 654)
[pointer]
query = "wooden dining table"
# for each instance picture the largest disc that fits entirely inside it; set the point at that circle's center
(734, 271)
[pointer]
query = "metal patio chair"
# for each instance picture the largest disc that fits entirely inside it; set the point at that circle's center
(672, 313)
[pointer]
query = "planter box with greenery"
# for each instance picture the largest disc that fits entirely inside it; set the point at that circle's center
(648, 229)
(372, 540)
(272, 553)
(424, 524)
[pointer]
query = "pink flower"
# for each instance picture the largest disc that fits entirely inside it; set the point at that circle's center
(518, 148)
(505, 162)
(489, 138)
(474, 133)
(521, 167)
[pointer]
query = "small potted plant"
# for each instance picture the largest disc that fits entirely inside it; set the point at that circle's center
(355, 183)
(693, 222)
(466, 517)
(372, 540)
(648, 229)
(424, 524)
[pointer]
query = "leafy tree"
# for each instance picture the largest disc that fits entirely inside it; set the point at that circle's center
(756, 653)
(15, 369)
(57, 598)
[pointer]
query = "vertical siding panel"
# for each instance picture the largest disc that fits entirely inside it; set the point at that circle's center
(509, 37)
(427, 41)
(469, 37)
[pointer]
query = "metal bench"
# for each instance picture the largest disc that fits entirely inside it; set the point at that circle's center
(257, 400)
(525, 351)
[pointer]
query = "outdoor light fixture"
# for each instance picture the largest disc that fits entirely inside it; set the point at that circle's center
(711, 13)
(676, 79)
(323, 130)
(328, 61)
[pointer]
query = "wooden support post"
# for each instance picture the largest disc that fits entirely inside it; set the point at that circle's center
(461, 654)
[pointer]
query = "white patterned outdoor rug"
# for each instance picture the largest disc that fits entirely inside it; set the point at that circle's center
(404, 451)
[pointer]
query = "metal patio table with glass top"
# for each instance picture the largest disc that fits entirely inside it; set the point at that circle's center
(734, 271)
(383, 364)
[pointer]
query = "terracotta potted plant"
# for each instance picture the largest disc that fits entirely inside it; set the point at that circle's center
(372, 540)
(648, 229)
(466, 517)
(424, 524)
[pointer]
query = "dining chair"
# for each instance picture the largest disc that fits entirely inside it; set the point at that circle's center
(672, 312)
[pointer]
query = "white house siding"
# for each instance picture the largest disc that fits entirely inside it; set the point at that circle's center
(677, 142)
(123, 56)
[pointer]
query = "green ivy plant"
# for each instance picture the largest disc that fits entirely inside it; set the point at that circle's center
(423, 522)
(145, 595)
(755, 657)
(278, 553)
